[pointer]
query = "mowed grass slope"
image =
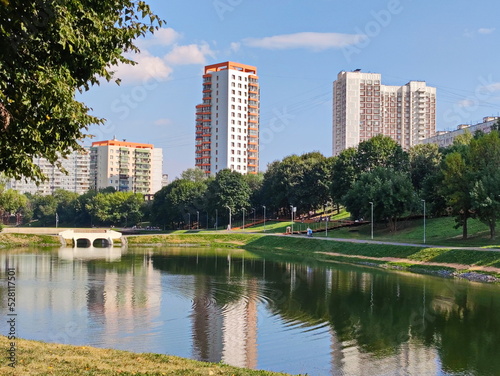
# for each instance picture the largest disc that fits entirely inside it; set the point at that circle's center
(38, 358)
(316, 249)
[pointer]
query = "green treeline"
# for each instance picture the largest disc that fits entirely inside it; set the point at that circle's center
(376, 178)
(462, 180)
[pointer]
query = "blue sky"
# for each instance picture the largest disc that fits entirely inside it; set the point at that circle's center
(299, 47)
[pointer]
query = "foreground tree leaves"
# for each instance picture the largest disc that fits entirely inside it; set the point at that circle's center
(49, 49)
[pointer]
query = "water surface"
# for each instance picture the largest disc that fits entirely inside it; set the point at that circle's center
(237, 307)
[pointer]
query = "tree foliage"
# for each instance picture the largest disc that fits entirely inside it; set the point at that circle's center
(173, 203)
(118, 208)
(485, 193)
(378, 151)
(228, 190)
(391, 193)
(50, 49)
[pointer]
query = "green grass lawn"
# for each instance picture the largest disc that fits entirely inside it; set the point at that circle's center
(439, 231)
(38, 358)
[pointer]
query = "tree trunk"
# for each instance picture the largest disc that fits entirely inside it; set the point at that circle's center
(492, 229)
(464, 229)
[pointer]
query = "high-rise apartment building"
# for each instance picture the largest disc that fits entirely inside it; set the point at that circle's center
(77, 166)
(126, 166)
(227, 122)
(363, 108)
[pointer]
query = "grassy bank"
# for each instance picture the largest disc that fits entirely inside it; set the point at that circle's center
(28, 240)
(318, 250)
(38, 358)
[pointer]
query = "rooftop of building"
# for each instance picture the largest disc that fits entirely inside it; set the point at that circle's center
(230, 65)
(123, 143)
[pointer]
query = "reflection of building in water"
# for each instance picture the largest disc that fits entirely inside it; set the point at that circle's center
(56, 293)
(119, 295)
(126, 300)
(409, 359)
(227, 333)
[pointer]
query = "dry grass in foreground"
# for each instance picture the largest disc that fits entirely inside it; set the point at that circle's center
(38, 358)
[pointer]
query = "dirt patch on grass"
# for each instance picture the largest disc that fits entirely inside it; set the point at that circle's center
(489, 269)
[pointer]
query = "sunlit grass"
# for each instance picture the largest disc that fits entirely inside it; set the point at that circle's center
(38, 358)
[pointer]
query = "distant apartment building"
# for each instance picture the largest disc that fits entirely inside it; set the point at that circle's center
(364, 108)
(445, 138)
(227, 121)
(77, 166)
(126, 166)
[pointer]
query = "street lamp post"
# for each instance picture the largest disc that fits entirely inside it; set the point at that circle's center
(243, 218)
(424, 219)
(230, 227)
(291, 211)
(264, 206)
(197, 220)
(371, 203)
(189, 221)
(216, 219)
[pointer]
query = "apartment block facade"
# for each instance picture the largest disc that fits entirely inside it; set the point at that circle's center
(126, 166)
(445, 138)
(227, 120)
(77, 166)
(364, 108)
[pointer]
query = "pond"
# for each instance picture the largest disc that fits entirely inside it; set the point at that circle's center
(245, 310)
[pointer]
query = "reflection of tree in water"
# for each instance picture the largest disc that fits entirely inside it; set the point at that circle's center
(380, 311)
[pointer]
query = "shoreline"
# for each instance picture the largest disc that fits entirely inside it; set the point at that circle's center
(470, 263)
(42, 358)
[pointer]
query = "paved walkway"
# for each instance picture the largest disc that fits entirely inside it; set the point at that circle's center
(346, 240)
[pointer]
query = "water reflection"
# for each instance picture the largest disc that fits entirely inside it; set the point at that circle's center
(231, 306)
(90, 253)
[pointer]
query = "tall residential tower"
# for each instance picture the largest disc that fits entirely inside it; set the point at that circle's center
(227, 122)
(363, 108)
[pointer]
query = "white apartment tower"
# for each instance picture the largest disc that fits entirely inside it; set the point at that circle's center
(227, 122)
(77, 166)
(126, 166)
(364, 108)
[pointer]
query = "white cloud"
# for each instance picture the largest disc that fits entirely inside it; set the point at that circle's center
(466, 103)
(235, 46)
(189, 54)
(163, 121)
(486, 31)
(495, 86)
(161, 37)
(147, 67)
(309, 40)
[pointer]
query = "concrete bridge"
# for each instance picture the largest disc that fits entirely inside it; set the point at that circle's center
(91, 237)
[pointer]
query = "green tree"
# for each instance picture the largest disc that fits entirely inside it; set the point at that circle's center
(51, 49)
(194, 174)
(66, 206)
(302, 181)
(390, 191)
(381, 151)
(378, 151)
(425, 160)
(118, 208)
(228, 189)
(485, 161)
(457, 185)
(44, 209)
(172, 204)
(344, 174)
(12, 202)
